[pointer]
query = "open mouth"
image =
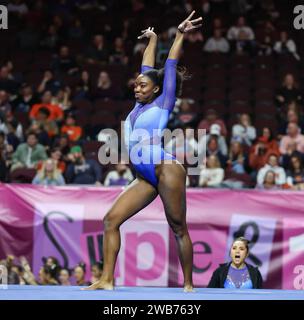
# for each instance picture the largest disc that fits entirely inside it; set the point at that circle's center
(237, 257)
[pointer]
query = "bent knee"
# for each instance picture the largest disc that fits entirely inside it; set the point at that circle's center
(179, 230)
(110, 222)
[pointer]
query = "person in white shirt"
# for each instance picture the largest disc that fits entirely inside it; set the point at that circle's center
(217, 43)
(212, 175)
(235, 32)
(272, 165)
(241, 37)
(286, 45)
(244, 131)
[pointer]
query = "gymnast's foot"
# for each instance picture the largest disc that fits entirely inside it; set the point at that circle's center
(101, 285)
(188, 288)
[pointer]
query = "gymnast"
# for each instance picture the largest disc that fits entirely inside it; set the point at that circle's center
(158, 173)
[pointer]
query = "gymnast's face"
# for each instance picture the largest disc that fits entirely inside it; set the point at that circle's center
(145, 89)
(238, 253)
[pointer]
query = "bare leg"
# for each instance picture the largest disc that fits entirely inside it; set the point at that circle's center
(172, 190)
(137, 196)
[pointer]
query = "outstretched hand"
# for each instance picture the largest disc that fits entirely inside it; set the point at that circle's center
(147, 33)
(189, 25)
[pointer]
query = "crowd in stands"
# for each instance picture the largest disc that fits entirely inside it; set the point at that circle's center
(50, 273)
(67, 70)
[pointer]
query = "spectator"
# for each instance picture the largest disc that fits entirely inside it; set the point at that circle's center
(289, 91)
(26, 275)
(213, 174)
(5, 106)
(71, 129)
(64, 62)
(237, 274)
(43, 120)
(121, 176)
(52, 38)
(62, 99)
(295, 174)
(217, 43)
(79, 274)
(6, 83)
(42, 135)
(56, 155)
(215, 131)
(265, 46)
(55, 111)
(48, 83)
(293, 135)
(292, 117)
(260, 151)
(64, 277)
(238, 161)
(118, 54)
(12, 275)
(84, 86)
(217, 23)
(63, 144)
(291, 152)
(213, 149)
(269, 182)
(82, 170)
(96, 271)
(266, 39)
(272, 165)
(47, 275)
(211, 117)
(241, 36)
(28, 154)
(244, 131)
(104, 88)
(25, 99)
(49, 175)
(286, 45)
(97, 53)
(76, 31)
(12, 137)
(183, 114)
(12, 125)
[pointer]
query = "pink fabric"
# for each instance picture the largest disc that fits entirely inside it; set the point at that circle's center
(272, 220)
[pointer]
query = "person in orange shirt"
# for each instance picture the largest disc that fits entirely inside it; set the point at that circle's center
(55, 112)
(71, 129)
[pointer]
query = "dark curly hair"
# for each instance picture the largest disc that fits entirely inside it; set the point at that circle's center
(157, 77)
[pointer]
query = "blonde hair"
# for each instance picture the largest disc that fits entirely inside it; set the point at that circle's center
(55, 173)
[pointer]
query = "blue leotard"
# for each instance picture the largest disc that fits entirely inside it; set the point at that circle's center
(145, 148)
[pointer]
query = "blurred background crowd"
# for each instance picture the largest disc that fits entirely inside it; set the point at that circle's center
(51, 273)
(67, 70)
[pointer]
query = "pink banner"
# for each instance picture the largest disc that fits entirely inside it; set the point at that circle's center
(66, 222)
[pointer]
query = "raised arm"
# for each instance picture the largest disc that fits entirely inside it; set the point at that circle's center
(149, 54)
(186, 26)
